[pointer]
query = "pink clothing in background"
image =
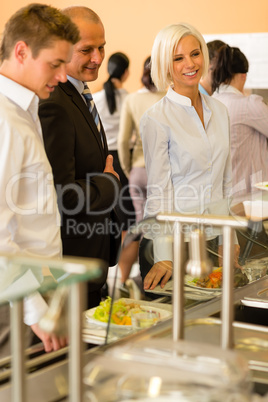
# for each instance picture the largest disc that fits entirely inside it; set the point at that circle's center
(249, 133)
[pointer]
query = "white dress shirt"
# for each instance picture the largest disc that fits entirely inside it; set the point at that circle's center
(249, 133)
(79, 85)
(188, 166)
(110, 121)
(30, 221)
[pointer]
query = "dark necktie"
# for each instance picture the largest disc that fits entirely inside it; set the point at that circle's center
(92, 107)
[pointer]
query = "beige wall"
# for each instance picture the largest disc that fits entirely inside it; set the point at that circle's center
(131, 25)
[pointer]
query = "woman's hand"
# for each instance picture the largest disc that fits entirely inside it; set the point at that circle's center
(160, 270)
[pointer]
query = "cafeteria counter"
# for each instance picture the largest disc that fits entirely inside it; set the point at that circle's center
(201, 322)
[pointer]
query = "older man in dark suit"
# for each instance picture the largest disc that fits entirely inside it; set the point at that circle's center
(86, 183)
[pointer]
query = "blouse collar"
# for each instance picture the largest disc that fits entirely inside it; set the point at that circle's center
(183, 100)
(177, 98)
(229, 89)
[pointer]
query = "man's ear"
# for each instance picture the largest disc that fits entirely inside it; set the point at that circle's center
(21, 51)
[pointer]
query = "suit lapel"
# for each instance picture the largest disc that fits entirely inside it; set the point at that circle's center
(70, 90)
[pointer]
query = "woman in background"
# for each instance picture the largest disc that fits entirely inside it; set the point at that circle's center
(248, 120)
(109, 103)
(110, 99)
(185, 140)
(133, 165)
(205, 84)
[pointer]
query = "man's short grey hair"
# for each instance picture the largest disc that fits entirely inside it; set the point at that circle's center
(163, 50)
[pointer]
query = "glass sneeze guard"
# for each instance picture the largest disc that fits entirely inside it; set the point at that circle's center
(22, 276)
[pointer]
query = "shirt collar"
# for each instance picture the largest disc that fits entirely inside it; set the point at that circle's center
(17, 93)
(177, 98)
(229, 88)
(184, 101)
(79, 85)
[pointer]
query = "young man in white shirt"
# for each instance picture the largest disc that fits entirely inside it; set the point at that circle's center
(36, 45)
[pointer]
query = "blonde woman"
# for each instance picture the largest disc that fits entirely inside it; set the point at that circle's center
(185, 140)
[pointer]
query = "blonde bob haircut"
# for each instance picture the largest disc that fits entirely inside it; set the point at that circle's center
(163, 50)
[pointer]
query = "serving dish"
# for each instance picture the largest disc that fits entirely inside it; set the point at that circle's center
(190, 281)
(262, 185)
(89, 314)
(190, 292)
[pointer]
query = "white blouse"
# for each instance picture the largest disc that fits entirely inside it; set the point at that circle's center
(110, 121)
(188, 165)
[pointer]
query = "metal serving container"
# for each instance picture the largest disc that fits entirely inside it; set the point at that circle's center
(163, 370)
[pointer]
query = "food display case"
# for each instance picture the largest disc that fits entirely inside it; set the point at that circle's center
(220, 334)
(204, 319)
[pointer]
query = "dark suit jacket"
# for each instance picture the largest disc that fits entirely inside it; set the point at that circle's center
(86, 195)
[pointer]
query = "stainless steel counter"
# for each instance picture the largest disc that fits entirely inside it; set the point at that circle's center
(198, 321)
(50, 383)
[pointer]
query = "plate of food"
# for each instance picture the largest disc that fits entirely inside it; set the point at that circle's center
(262, 185)
(213, 281)
(121, 312)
